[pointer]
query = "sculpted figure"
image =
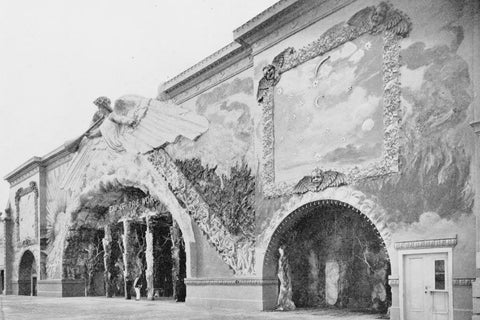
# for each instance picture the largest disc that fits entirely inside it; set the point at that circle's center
(136, 125)
(319, 181)
(271, 73)
(284, 302)
(104, 109)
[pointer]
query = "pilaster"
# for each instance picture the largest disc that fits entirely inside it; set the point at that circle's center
(475, 124)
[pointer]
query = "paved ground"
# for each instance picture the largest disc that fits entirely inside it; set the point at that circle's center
(36, 308)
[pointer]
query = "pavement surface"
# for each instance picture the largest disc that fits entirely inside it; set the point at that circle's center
(36, 308)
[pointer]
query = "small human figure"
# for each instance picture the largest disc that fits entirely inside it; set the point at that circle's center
(137, 285)
(180, 290)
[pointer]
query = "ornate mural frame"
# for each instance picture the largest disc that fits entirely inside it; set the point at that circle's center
(382, 19)
(18, 195)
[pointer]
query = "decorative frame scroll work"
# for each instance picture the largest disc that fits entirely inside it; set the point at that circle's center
(383, 19)
(18, 195)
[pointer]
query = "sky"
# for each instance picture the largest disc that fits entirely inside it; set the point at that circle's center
(57, 56)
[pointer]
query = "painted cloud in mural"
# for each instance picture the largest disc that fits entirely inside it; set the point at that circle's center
(329, 111)
(436, 140)
(228, 140)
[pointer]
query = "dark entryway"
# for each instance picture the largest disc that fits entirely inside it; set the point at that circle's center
(27, 275)
(329, 255)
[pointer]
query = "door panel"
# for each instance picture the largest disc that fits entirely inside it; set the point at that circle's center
(415, 305)
(426, 286)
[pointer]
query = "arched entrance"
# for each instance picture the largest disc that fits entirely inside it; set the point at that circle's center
(120, 233)
(27, 275)
(331, 255)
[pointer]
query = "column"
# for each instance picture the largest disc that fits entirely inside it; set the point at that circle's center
(475, 76)
(8, 226)
(149, 259)
(128, 257)
(107, 260)
(177, 279)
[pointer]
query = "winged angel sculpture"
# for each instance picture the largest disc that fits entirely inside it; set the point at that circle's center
(136, 125)
(320, 180)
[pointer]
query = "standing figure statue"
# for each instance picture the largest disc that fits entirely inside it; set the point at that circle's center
(284, 302)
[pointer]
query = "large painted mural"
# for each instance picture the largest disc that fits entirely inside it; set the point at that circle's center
(229, 139)
(333, 105)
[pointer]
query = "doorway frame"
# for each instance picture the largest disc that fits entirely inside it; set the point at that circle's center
(401, 256)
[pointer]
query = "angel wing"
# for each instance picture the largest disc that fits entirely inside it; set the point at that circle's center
(138, 125)
(280, 58)
(398, 23)
(263, 86)
(332, 179)
(304, 185)
(74, 177)
(361, 19)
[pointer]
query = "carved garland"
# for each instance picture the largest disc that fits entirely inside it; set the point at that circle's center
(394, 25)
(18, 195)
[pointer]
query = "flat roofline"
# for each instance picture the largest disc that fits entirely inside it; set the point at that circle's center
(35, 161)
(261, 18)
(258, 26)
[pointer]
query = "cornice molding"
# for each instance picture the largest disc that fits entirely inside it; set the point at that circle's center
(463, 282)
(269, 27)
(23, 175)
(214, 80)
(301, 19)
(224, 62)
(280, 14)
(260, 19)
(51, 160)
(229, 282)
(426, 244)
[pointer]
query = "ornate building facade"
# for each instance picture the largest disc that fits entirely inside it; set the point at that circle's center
(326, 157)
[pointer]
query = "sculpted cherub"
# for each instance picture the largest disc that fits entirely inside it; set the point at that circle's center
(320, 180)
(271, 73)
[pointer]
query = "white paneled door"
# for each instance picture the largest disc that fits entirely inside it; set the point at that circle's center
(426, 283)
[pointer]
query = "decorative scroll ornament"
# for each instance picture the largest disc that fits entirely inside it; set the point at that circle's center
(382, 19)
(320, 180)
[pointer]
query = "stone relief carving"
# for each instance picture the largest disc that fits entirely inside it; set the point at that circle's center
(320, 180)
(237, 255)
(271, 73)
(394, 25)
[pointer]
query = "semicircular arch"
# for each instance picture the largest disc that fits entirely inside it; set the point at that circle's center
(138, 173)
(300, 206)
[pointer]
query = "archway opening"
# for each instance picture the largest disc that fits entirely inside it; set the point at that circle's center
(109, 250)
(27, 275)
(327, 254)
